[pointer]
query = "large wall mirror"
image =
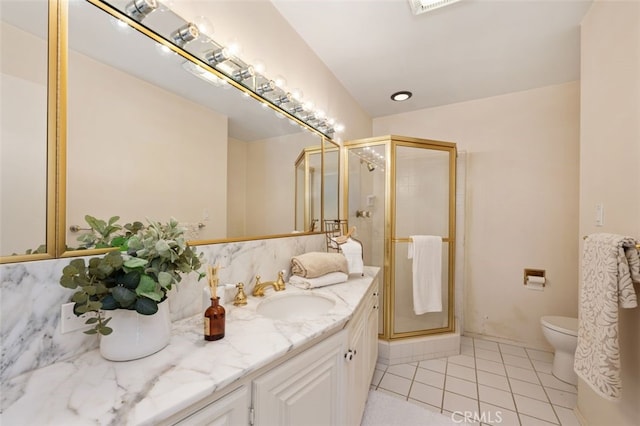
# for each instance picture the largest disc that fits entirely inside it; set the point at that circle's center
(152, 136)
(27, 129)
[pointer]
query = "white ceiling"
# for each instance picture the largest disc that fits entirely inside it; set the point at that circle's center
(469, 50)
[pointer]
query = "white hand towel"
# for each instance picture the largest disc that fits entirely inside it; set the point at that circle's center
(426, 252)
(352, 250)
(321, 281)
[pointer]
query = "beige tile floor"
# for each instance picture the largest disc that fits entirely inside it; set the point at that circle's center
(489, 383)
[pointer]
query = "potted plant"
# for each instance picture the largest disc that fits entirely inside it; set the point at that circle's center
(130, 282)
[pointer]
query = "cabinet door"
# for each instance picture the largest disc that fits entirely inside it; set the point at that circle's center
(230, 410)
(356, 376)
(371, 340)
(306, 390)
(361, 357)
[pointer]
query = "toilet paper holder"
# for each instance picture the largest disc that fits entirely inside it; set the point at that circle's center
(538, 273)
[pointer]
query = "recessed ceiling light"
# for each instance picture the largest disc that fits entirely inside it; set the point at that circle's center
(401, 96)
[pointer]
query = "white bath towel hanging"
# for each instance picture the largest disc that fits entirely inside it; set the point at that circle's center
(426, 252)
(609, 267)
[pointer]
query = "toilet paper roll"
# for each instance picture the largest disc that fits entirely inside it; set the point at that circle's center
(535, 279)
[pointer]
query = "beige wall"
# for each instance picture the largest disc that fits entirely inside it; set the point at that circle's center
(23, 141)
(270, 202)
(236, 188)
(130, 156)
(522, 202)
(610, 172)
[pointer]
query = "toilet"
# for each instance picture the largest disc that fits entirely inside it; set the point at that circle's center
(562, 334)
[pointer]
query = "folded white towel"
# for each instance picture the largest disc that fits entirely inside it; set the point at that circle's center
(426, 252)
(352, 250)
(321, 281)
(609, 267)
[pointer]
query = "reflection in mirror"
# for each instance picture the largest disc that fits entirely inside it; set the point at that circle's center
(146, 138)
(24, 153)
(331, 182)
(308, 168)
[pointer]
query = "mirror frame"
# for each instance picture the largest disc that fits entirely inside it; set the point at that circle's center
(61, 110)
(55, 58)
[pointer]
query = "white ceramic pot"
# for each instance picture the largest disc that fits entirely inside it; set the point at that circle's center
(136, 336)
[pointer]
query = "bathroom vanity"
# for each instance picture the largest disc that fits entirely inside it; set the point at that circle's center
(267, 370)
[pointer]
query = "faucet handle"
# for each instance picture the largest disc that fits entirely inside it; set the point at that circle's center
(280, 282)
(241, 297)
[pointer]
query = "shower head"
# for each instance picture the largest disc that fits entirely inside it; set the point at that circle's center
(371, 167)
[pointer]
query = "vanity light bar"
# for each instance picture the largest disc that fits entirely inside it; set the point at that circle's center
(217, 56)
(139, 9)
(221, 60)
(422, 6)
(266, 87)
(186, 33)
(244, 73)
(283, 99)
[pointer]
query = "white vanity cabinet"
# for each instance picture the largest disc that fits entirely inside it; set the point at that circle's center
(230, 410)
(326, 384)
(361, 355)
(306, 390)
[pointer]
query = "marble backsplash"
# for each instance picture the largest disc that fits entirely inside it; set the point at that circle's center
(30, 298)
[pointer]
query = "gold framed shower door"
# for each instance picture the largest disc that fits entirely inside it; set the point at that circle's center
(392, 240)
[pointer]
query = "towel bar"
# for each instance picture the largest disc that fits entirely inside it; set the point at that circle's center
(409, 240)
(637, 245)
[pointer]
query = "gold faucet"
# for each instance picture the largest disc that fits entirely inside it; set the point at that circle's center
(258, 288)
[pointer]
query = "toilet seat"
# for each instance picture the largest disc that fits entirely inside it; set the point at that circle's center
(564, 325)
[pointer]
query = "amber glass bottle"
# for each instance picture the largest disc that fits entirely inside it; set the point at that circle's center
(214, 320)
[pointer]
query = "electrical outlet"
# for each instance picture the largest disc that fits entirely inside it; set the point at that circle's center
(70, 322)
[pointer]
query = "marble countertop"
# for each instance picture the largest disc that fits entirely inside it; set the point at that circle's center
(91, 390)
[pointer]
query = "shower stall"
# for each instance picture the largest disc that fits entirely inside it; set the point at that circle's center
(396, 187)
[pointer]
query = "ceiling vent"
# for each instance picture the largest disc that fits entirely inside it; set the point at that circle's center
(422, 6)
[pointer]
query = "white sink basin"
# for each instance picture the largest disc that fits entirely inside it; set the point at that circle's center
(295, 305)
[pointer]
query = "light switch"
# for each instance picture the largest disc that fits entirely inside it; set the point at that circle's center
(599, 215)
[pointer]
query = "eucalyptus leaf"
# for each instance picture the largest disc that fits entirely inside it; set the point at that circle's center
(135, 262)
(68, 282)
(105, 331)
(165, 279)
(124, 296)
(146, 306)
(80, 297)
(149, 288)
(110, 303)
(130, 280)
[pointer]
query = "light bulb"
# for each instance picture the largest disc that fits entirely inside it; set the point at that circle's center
(204, 25)
(234, 48)
(280, 81)
(259, 66)
(296, 94)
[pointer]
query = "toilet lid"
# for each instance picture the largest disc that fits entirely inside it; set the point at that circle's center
(564, 325)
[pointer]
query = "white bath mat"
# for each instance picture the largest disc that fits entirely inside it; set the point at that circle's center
(385, 410)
